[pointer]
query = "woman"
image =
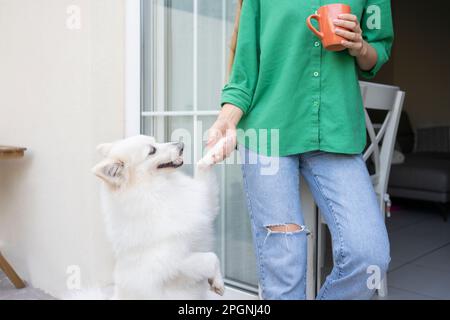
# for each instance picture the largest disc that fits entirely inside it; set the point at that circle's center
(299, 106)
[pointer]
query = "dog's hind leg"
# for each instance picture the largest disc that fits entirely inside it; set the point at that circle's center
(204, 266)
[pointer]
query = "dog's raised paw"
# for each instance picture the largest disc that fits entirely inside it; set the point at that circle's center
(217, 285)
(204, 165)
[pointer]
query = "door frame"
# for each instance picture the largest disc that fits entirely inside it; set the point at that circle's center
(133, 100)
(133, 73)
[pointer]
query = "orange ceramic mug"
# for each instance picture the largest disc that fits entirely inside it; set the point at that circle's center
(325, 16)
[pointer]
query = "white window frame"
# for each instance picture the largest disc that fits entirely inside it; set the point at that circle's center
(133, 113)
(132, 68)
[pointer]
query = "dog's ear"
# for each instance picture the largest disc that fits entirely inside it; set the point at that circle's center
(104, 149)
(111, 171)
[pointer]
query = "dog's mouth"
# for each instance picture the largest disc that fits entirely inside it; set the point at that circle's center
(172, 164)
(178, 162)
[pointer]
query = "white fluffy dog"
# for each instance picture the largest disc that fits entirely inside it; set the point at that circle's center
(159, 221)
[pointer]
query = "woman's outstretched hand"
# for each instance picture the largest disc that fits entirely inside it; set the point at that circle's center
(224, 127)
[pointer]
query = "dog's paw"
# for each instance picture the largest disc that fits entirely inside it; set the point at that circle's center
(210, 158)
(204, 164)
(217, 285)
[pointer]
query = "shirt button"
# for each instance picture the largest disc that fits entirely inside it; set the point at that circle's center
(317, 43)
(316, 103)
(316, 74)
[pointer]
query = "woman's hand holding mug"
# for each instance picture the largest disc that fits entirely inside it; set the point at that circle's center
(339, 29)
(353, 36)
(365, 54)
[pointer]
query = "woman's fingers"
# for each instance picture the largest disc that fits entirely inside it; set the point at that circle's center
(227, 147)
(352, 45)
(211, 138)
(230, 143)
(214, 135)
(220, 155)
(352, 36)
(350, 25)
(351, 31)
(348, 16)
(221, 140)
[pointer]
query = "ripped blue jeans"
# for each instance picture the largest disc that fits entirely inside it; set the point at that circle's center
(342, 188)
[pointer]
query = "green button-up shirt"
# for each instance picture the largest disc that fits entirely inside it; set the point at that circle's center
(296, 96)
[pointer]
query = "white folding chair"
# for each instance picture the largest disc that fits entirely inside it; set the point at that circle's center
(382, 142)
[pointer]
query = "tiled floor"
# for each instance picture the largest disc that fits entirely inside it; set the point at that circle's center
(420, 250)
(8, 292)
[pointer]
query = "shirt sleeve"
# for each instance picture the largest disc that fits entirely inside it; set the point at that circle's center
(378, 31)
(244, 74)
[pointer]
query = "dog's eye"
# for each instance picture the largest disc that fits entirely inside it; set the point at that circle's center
(152, 151)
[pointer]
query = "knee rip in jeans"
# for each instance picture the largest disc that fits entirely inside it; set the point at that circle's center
(287, 229)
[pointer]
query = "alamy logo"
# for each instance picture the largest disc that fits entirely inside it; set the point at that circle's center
(374, 17)
(73, 277)
(374, 280)
(73, 21)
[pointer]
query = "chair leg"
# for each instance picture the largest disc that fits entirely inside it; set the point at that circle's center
(10, 273)
(383, 291)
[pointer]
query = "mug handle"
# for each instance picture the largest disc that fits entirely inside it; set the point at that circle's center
(310, 26)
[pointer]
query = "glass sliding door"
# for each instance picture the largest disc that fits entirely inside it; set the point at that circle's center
(184, 59)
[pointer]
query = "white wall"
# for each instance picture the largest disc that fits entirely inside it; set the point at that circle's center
(61, 93)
